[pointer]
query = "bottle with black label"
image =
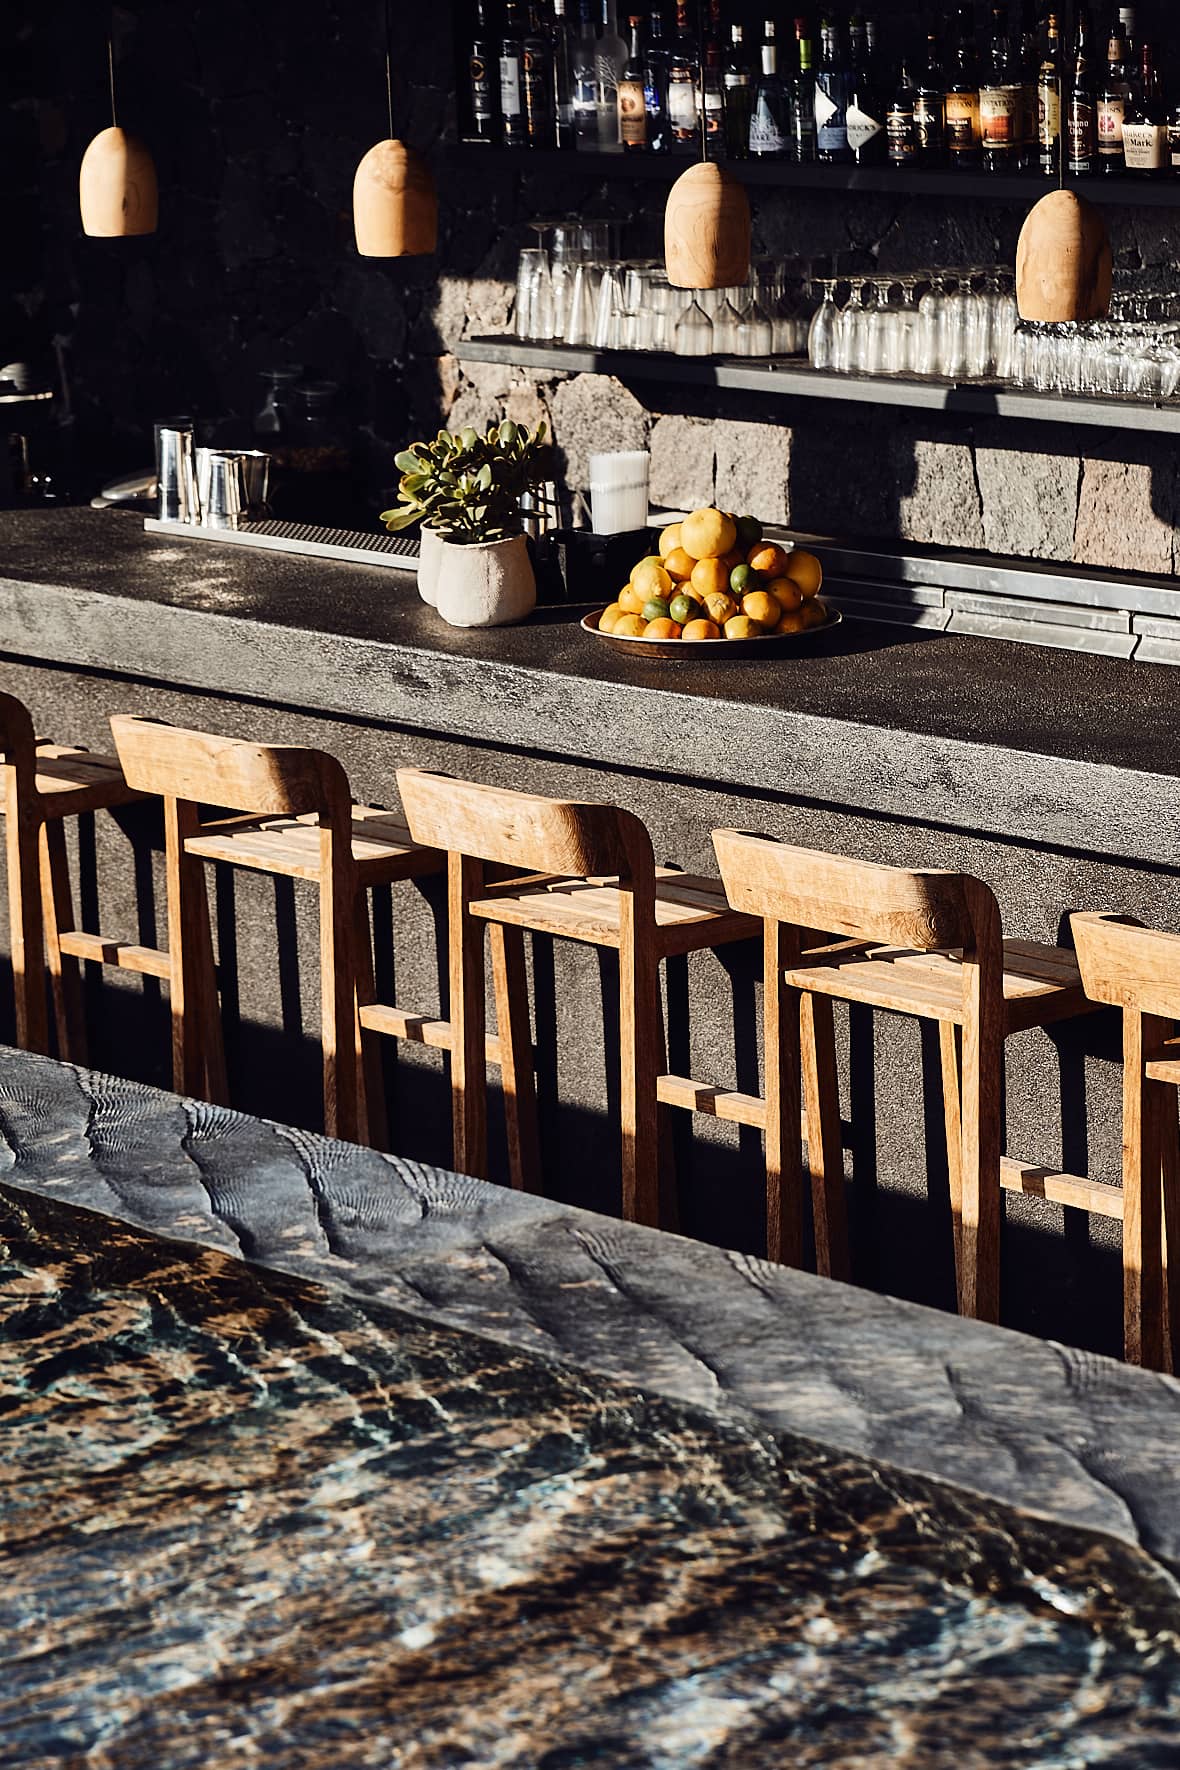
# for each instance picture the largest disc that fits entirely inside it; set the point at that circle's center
(1083, 114)
(1146, 151)
(1113, 96)
(930, 108)
(803, 97)
(899, 124)
(632, 93)
(1049, 102)
(712, 87)
(739, 95)
(833, 89)
(962, 96)
(537, 82)
(770, 115)
(656, 62)
(482, 95)
(563, 76)
(868, 105)
(512, 112)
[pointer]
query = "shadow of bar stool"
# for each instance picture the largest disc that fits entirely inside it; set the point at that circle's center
(926, 944)
(1137, 969)
(299, 823)
(44, 784)
(585, 872)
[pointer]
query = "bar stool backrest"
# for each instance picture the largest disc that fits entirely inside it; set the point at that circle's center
(1127, 965)
(270, 780)
(923, 911)
(17, 740)
(523, 830)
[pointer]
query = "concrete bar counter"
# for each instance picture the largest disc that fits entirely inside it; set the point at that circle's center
(1050, 774)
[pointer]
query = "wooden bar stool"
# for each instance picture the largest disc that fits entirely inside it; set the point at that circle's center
(926, 944)
(299, 823)
(44, 784)
(1137, 969)
(584, 872)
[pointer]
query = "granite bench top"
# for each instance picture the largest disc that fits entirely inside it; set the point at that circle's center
(1059, 748)
(314, 1450)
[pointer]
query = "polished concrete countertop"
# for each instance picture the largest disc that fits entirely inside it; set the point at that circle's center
(1059, 748)
(315, 1451)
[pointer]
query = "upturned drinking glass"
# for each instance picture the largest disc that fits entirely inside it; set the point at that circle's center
(694, 332)
(824, 330)
(534, 295)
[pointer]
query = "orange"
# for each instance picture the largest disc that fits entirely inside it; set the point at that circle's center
(806, 571)
(793, 621)
(762, 607)
(742, 627)
(710, 576)
(631, 600)
(670, 539)
(707, 534)
(629, 627)
(678, 564)
(720, 606)
(770, 560)
(701, 630)
(786, 592)
(662, 629)
(814, 613)
(610, 614)
(735, 556)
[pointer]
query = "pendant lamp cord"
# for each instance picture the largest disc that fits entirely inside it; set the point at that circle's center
(111, 76)
(701, 72)
(1063, 107)
(389, 67)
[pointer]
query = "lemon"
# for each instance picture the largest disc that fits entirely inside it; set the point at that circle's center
(631, 600)
(701, 630)
(707, 534)
(793, 621)
(629, 627)
(762, 607)
(610, 614)
(806, 571)
(650, 577)
(662, 629)
(720, 607)
(742, 627)
(670, 539)
(679, 564)
(786, 593)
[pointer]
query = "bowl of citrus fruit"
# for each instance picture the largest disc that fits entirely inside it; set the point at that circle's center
(715, 582)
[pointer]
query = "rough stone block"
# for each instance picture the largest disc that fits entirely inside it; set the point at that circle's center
(938, 500)
(682, 462)
(842, 476)
(594, 414)
(1030, 501)
(753, 468)
(1127, 514)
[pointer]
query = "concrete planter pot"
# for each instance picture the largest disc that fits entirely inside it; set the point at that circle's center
(489, 584)
(430, 546)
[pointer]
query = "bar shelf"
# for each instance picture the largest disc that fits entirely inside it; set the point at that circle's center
(787, 379)
(657, 168)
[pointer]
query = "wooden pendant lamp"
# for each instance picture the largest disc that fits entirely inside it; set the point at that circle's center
(707, 221)
(117, 179)
(394, 202)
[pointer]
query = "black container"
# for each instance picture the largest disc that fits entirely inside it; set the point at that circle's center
(574, 565)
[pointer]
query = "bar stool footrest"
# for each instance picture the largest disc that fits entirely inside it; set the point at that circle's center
(123, 955)
(418, 1029)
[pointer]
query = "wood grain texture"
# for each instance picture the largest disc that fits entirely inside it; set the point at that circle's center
(707, 229)
(1063, 261)
(117, 191)
(394, 203)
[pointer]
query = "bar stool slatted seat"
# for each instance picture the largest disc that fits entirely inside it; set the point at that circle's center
(1137, 969)
(927, 944)
(43, 784)
(584, 872)
(296, 819)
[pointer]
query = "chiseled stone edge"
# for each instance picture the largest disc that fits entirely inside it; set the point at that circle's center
(1054, 1432)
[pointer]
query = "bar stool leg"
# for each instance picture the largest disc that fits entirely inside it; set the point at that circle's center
(510, 986)
(979, 1273)
(825, 1157)
(468, 1017)
(781, 1011)
(950, 1045)
(1171, 1225)
(1144, 1148)
(26, 935)
(198, 1054)
(373, 1128)
(57, 913)
(639, 1060)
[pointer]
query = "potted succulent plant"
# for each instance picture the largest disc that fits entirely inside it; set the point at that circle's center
(465, 490)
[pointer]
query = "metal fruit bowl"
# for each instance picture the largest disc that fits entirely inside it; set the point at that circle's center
(767, 645)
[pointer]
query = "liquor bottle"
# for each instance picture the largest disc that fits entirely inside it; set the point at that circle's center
(1145, 128)
(1112, 104)
(770, 114)
(683, 82)
(563, 77)
(586, 82)
(962, 96)
(739, 96)
(612, 59)
(655, 85)
(537, 82)
(868, 105)
(899, 124)
(833, 89)
(512, 112)
(482, 95)
(1028, 51)
(1127, 25)
(712, 86)
(1049, 102)
(930, 108)
(1083, 114)
(1001, 100)
(633, 93)
(1174, 141)
(802, 97)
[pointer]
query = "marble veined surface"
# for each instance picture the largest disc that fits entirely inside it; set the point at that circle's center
(314, 1458)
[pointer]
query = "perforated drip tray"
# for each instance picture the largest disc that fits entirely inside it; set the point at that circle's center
(399, 551)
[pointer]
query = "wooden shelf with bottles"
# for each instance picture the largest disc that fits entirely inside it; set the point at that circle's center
(1122, 191)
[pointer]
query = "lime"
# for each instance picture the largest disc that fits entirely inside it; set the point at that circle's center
(656, 609)
(684, 608)
(749, 531)
(742, 578)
